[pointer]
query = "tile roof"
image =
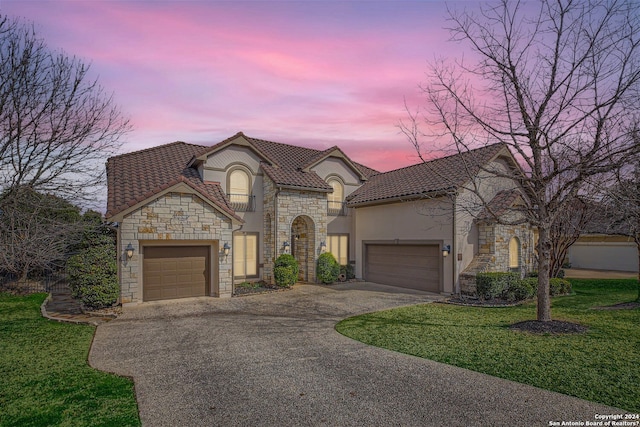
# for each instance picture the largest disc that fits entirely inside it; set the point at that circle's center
(500, 204)
(287, 162)
(136, 176)
(431, 177)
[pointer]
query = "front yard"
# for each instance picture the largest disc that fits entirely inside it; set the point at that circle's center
(601, 365)
(46, 380)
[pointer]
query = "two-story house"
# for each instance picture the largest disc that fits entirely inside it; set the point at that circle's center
(195, 220)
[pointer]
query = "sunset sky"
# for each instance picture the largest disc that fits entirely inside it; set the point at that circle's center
(311, 73)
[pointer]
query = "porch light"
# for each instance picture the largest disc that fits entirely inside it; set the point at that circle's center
(446, 250)
(323, 247)
(225, 249)
(285, 247)
(129, 251)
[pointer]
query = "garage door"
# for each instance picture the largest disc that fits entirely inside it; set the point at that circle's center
(175, 272)
(407, 266)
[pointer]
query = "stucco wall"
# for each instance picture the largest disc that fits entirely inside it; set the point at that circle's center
(416, 220)
(173, 217)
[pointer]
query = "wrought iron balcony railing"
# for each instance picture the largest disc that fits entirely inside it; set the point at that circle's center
(336, 208)
(242, 202)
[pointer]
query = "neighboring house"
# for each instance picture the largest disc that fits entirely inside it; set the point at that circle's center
(601, 251)
(194, 220)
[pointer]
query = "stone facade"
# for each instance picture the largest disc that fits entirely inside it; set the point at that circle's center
(174, 217)
(285, 206)
(494, 253)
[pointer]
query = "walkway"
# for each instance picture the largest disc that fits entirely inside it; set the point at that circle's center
(62, 307)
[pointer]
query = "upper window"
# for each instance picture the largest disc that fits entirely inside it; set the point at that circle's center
(238, 190)
(336, 197)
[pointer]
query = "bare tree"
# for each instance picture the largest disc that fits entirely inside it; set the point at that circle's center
(569, 224)
(36, 231)
(557, 81)
(57, 124)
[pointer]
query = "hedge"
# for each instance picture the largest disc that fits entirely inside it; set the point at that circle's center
(93, 276)
(285, 270)
(494, 285)
(328, 268)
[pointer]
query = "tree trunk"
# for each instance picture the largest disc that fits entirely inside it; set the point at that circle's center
(544, 255)
(638, 248)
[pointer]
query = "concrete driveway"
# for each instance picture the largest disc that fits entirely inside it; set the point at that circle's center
(276, 360)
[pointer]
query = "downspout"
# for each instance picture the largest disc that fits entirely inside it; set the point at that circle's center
(275, 230)
(454, 251)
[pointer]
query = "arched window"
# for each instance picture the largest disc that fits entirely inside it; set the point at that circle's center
(514, 253)
(336, 197)
(238, 189)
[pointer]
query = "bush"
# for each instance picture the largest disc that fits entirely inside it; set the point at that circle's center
(93, 276)
(520, 290)
(328, 268)
(348, 271)
(494, 285)
(559, 286)
(285, 271)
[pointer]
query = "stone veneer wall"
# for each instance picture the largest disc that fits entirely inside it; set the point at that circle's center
(291, 204)
(494, 240)
(172, 217)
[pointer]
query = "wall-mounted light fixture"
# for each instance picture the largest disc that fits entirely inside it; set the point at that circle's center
(446, 250)
(129, 251)
(225, 249)
(296, 237)
(285, 247)
(323, 247)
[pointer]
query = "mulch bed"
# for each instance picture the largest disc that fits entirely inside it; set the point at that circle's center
(552, 327)
(241, 291)
(621, 306)
(476, 302)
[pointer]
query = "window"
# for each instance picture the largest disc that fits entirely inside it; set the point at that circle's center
(338, 245)
(514, 253)
(336, 197)
(245, 255)
(238, 190)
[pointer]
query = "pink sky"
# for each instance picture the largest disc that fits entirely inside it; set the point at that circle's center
(311, 73)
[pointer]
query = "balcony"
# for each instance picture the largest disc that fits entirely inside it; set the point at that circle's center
(242, 202)
(336, 208)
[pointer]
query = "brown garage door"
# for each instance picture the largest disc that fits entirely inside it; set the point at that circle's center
(175, 272)
(407, 266)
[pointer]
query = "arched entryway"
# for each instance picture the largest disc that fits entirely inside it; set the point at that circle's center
(303, 246)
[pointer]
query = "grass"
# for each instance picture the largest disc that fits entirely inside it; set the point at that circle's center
(44, 376)
(602, 365)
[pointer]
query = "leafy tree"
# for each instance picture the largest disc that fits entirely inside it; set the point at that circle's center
(557, 82)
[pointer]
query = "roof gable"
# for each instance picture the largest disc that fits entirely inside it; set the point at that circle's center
(134, 178)
(333, 152)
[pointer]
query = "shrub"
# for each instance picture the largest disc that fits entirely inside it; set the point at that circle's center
(328, 268)
(494, 285)
(520, 290)
(93, 276)
(348, 271)
(285, 271)
(559, 286)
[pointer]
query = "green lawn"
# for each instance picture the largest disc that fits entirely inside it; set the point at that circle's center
(602, 365)
(44, 376)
